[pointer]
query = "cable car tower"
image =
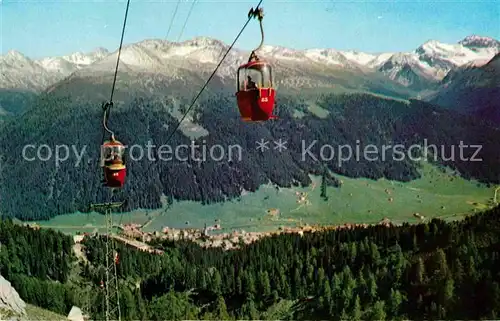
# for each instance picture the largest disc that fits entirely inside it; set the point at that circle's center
(114, 171)
(112, 294)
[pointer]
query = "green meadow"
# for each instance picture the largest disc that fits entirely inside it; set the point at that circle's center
(438, 193)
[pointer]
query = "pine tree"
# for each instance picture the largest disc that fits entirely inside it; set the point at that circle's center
(440, 265)
(375, 254)
(378, 311)
(372, 287)
(420, 302)
(239, 284)
(361, 282)
(344, 315)
(349, 284)
(357, 312)
(458, 271)
(415, 242)
(395, 302)
(353, 251)
(249, 283)
(265, 284)
(434, 309)
(323, 186)
(248, 309)
(310, 274)
(216, 285)
(221, 309)
(141, 306)
(420, 271)
(128, 304)
(471, 270)
(202, 279)
(320, 280)
(327, 297)
(447, 296)
(275, 296)
(297, 284)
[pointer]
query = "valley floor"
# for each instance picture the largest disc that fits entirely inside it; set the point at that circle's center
(438, 193)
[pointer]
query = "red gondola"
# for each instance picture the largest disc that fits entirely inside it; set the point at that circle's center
(112, 158)
(115, 170)
(256, 95)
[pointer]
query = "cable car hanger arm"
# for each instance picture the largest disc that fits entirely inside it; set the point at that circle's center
(259, 14)
(106, 110)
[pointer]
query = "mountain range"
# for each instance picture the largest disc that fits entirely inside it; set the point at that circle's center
(418, 70)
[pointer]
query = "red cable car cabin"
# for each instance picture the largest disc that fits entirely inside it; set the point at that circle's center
(115, 170)
(255, 94)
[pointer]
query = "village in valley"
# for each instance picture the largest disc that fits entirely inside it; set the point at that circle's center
(210, 236)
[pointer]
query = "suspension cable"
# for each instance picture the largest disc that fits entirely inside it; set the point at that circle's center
(107, 106)
(187, 18)
(211, 76)
(119, 52)
(173, 17)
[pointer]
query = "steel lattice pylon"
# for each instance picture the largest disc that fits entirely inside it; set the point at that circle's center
(112, 296)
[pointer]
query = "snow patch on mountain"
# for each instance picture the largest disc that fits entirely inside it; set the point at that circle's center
(359, 57)
(475, 42)
(21, 72)
(18, 71)
(432, 61)
(476, 63)
(331, 57)
(379, 59)
(65, 65)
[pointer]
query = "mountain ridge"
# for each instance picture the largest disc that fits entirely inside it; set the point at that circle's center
(423, 67)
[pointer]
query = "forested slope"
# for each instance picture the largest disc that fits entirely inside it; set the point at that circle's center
(435, 270)
(15, 102)
(34, 190)
(473, 91)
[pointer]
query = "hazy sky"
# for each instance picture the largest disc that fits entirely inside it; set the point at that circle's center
(41, 28)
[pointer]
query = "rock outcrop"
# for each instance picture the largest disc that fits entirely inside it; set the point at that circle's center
(12, 307)
(76, 314)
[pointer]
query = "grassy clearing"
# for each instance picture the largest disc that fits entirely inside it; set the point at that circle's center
(437, 194)
(36, 313)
